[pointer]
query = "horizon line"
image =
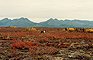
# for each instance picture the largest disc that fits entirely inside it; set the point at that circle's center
(44, 19)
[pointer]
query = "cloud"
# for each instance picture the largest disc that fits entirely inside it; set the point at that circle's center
(82, 9)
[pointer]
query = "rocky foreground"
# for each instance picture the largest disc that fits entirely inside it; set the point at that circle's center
(23, 44)
(82, 51)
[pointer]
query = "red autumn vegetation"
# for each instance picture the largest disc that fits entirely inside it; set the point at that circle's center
(36, 43)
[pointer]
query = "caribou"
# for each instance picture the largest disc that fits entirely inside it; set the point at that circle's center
(43, 31)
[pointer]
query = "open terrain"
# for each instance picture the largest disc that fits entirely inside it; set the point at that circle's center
(27, 43)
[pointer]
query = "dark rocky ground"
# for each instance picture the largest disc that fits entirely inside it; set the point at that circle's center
(62, 45)
(74, 52)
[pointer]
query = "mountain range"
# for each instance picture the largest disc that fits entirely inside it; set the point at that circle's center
(24, 22)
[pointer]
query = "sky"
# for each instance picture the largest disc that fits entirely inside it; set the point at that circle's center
(42, 10)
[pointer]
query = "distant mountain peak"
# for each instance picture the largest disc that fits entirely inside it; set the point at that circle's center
(5, 19)
(56, 19)
(22, 18)
(51, 19)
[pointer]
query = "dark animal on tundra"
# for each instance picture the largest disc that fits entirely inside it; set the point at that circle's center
(43, 31)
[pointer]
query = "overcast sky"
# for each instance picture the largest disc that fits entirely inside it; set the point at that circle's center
(41, 10)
